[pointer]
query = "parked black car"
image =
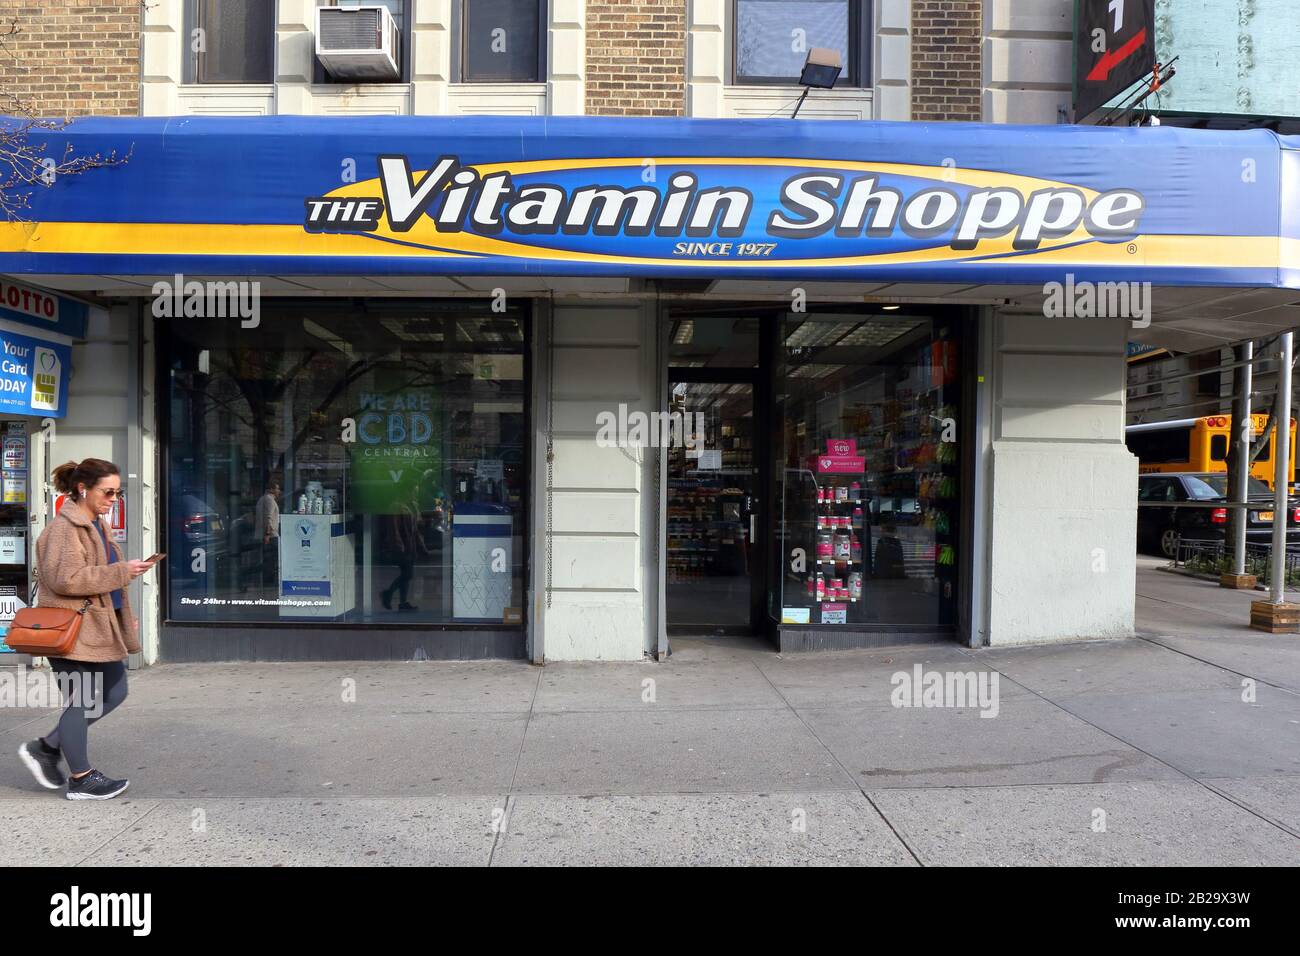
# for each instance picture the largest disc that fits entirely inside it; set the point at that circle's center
(196, 525)
(1158, 529)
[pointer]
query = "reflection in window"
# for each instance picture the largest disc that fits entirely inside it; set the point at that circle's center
(348, 462)
(231, 41)
(502, 41)
(773, 37)
(867, 421)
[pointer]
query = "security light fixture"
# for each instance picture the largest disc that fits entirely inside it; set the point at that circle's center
(820, 71)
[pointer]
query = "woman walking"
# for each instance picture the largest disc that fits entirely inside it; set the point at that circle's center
(75, 562)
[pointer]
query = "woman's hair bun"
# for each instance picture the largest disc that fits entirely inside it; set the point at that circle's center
(67, 476)
(62, 477)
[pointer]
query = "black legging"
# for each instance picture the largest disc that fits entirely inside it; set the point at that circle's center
(402, 583)
(77, 680)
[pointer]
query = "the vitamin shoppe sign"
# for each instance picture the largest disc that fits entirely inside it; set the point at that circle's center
(668, 197)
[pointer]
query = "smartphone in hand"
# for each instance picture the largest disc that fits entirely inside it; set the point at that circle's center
(155, 558)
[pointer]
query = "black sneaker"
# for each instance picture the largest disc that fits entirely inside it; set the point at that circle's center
(95, 786)
(43, 763)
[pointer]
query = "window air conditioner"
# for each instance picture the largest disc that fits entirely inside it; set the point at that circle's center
(358, 43)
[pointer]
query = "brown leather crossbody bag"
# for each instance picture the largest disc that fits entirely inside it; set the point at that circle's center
(46, 631)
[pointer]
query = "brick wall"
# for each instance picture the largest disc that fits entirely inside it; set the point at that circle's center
(636, 57)
(946, 74)
(71, 57)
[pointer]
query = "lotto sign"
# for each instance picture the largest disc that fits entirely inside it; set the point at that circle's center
(46, 310)
(32, 303)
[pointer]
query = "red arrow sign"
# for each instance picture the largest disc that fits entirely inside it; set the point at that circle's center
(1114, 58)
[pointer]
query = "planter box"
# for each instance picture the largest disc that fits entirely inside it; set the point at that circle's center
(1240, 581)
(1275, 618)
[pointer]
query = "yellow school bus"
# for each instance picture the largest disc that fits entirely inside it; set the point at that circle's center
(1199, 445)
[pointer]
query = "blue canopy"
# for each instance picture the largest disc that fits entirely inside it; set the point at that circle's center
(666, 197)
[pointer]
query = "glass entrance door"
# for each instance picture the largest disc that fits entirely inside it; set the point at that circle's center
(714, 570)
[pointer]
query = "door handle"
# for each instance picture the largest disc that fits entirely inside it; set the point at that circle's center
(752, 532)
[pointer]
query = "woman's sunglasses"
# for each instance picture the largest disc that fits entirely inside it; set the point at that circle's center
(111, 493)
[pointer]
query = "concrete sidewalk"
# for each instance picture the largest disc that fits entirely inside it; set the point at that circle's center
(1197, 617)
(733, 754)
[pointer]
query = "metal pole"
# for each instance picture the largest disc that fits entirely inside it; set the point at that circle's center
(1245, 432)
(1282, 475)
(802, 96)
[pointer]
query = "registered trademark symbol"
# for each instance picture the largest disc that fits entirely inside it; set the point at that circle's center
(1132, 248)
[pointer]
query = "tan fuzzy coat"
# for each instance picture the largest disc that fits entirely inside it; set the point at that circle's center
(71, 566)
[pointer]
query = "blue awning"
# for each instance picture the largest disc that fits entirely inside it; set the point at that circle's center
(667, 197)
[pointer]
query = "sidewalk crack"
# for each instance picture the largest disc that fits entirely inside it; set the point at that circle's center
(82, 861)
(1227, 670)
(504, 826)
(839, 763)
(1127, 743)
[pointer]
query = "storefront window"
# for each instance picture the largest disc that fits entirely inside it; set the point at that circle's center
(348, 462)
(867, 413)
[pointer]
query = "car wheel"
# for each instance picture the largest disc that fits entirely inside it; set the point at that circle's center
(1169, 543)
